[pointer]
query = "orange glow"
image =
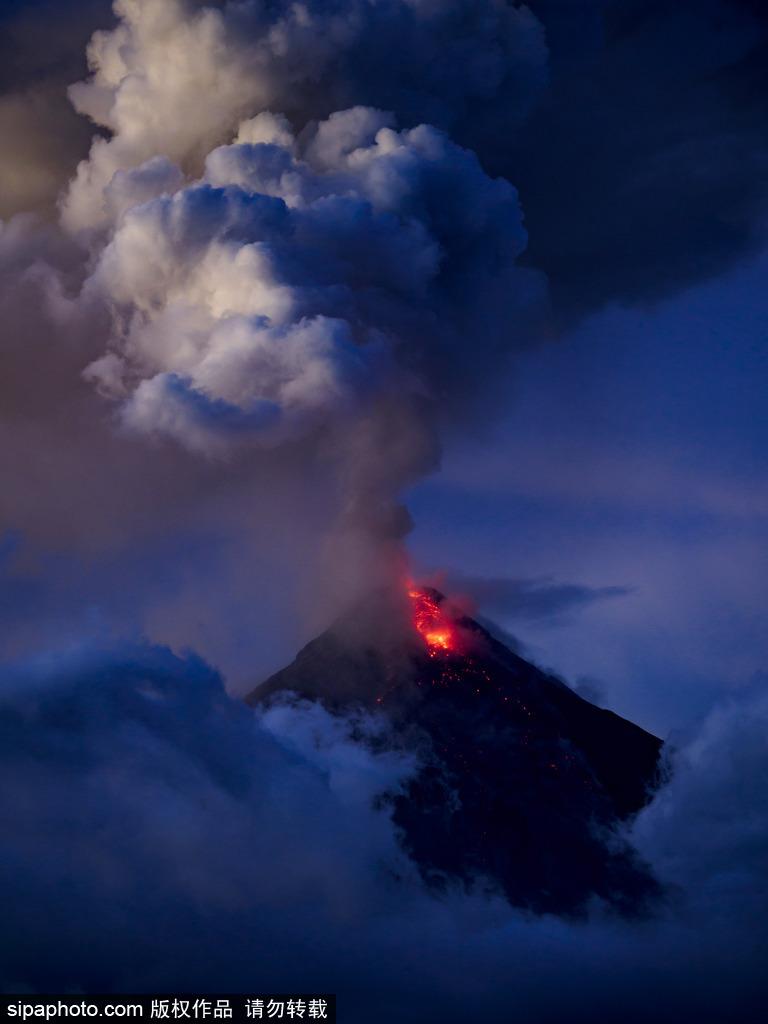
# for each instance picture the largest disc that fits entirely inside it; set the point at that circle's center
(429, 620)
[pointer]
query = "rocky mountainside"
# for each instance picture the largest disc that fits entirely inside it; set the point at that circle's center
(523, 783)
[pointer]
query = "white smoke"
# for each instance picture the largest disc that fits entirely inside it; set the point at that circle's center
(277, 293)
(275, 278)
(176, 76)
(287, 254)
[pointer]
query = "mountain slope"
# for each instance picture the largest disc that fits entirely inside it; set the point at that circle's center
(523, 782)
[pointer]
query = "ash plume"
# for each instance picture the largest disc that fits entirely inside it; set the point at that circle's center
(302, 222)
(379, 337)
(176, 77)
(284, 271)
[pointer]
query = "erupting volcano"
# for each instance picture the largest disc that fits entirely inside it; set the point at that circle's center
(523, 785)
(431, 622)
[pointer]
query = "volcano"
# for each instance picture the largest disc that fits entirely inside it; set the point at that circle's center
(524, 786)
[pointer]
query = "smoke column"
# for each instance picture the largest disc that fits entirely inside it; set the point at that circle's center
(282, 273)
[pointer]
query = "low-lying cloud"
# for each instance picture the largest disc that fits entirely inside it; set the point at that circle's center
(158, 832)
(526, 599)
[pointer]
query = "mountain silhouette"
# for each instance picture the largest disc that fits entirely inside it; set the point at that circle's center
(524, 785)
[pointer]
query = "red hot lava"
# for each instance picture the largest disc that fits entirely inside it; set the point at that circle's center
(439, 634)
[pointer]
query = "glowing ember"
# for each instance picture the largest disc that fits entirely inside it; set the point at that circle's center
(429, 620)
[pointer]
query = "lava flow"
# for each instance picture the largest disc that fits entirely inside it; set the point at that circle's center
(438, 633)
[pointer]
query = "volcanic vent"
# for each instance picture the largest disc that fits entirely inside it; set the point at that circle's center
(523, 782)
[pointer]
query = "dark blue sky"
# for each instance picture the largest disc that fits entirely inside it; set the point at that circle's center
(633, 454)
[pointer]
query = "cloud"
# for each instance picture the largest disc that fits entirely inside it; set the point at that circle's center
(401, 264)
(659, 108)
(716, 777)
(159, 795)
(530, 599)
(263, 299)
(137, 792)
(345, 288)
(42, 50)
(177, 78)
(590, 689)
(309, 279)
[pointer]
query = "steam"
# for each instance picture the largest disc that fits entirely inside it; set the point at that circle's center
(276, 280)
(292, 283)
(176, 77)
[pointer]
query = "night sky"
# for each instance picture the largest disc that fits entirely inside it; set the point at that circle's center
(295, 302)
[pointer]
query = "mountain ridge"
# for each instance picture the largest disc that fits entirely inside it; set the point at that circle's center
(524, 786)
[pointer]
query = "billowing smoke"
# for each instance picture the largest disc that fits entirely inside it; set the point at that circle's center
(299, 235)
(176, 77)
(42, 51)
(274, 279)
(295, 283)
(300, 222)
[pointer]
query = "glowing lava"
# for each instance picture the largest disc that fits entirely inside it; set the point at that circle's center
(429, 620)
